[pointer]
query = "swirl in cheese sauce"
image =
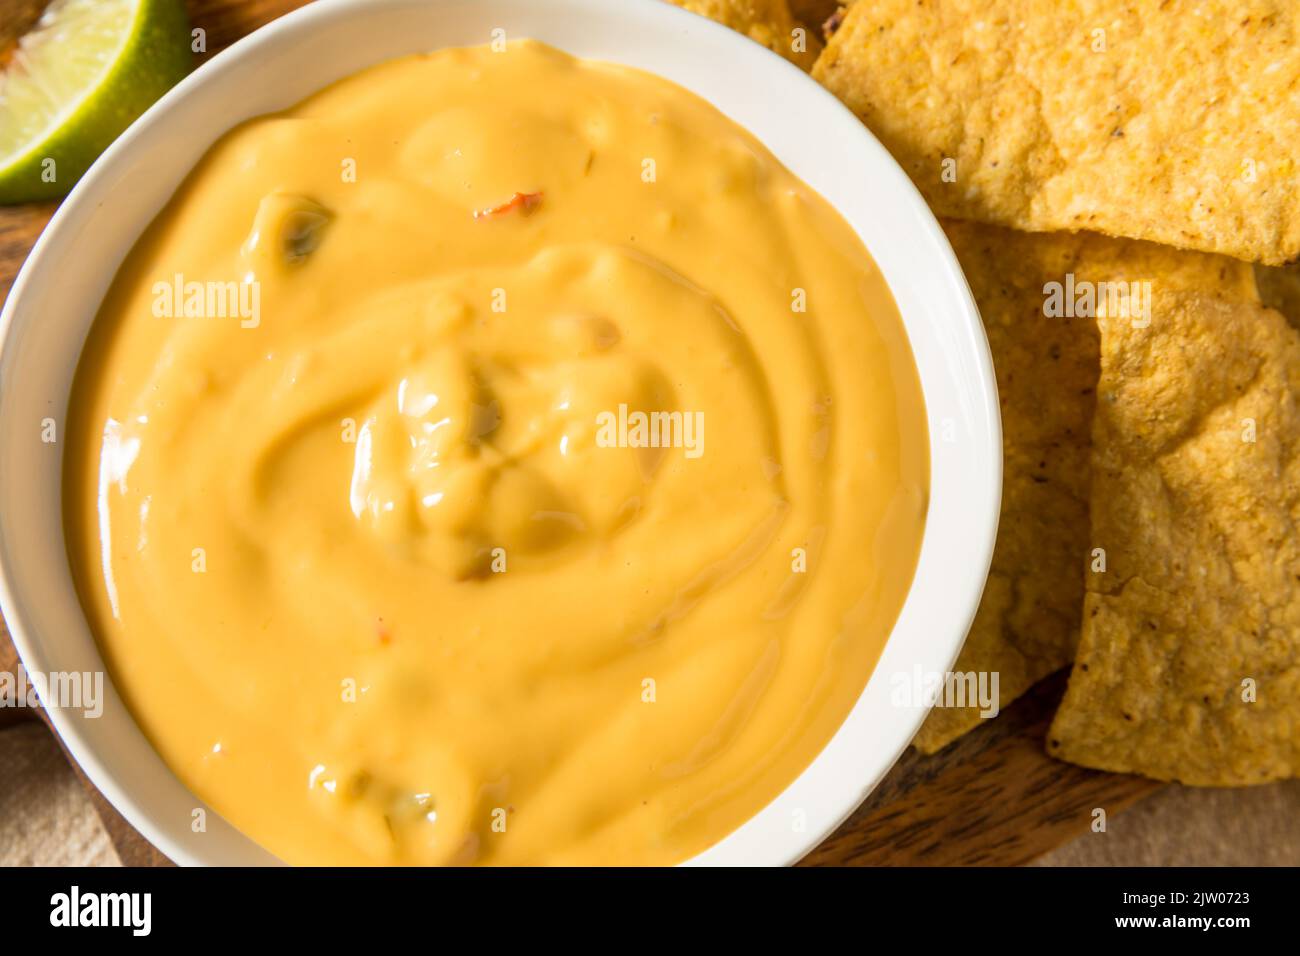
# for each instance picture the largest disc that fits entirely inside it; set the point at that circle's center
(365, 521)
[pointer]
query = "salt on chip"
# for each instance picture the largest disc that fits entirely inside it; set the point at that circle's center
(768, 22)
(1028, 621)
(1189, 663)
(1176, 121)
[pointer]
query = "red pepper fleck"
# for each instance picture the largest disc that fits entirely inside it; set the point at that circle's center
(524, 202)
(384, 634)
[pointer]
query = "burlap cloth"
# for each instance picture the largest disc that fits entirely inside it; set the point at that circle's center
(45, 816)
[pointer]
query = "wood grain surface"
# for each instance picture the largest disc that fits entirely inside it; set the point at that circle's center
(9, 665)
(993, 797)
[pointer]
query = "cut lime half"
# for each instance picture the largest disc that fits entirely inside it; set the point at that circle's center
(75, 79)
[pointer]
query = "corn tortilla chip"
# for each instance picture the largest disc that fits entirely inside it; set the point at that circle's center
(1028, 622)
(1170, 120)
(1189, 663)
(1280, 289)
(768, 22)
(813, 13)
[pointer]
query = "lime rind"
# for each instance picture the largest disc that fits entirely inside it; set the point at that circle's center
(84, 77)
(64, 56)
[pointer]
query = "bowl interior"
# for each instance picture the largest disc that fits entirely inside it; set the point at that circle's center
(55, 298)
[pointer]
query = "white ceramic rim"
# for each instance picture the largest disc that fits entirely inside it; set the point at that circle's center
(48, 313)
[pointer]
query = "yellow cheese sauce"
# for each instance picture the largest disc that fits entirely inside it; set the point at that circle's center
(497, 458)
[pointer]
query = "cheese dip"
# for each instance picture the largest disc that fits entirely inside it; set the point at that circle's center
(497, 458)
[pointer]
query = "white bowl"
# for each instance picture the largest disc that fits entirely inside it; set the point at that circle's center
(56, 297)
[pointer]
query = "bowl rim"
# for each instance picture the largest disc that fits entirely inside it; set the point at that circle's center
(760, 839)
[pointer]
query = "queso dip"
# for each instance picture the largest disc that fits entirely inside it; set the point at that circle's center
(497, 458)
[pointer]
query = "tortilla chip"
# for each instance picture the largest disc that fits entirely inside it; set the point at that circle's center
(813, 13)
(1280, 289)
(1169, 120)
(1189, 663)
(1028, 621)
(768, 22)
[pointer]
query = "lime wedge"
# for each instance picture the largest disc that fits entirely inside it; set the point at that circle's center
(78, 74)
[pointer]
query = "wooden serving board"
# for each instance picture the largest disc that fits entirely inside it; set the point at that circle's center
(994, 797)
